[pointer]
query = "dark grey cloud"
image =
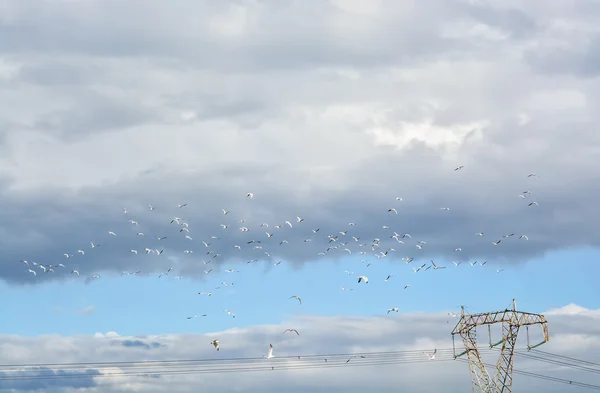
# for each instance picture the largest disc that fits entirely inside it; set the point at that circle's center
(323, 111)
(46, 379)
(139, 344)
(573, 332)
(333, 34)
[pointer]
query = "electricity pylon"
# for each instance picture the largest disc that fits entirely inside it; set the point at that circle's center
(511, 320)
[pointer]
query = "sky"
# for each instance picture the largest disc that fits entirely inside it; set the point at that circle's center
(167, 160)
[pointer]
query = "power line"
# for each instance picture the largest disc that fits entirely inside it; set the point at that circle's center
(220, 370)
(253, 364)
(152, 368)
(136, 363)
(566, 357)
(559, 362)
(547, 377)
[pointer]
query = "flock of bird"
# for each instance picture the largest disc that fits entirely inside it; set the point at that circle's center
(261, 241)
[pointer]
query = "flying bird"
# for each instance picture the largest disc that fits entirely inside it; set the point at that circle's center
(270, 353)
(215, 343)
(291, 330)
(432, 356)
(297, 298)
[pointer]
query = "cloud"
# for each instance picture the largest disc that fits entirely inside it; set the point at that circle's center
(325, 110)
(138, 344)
(86, 310)
(44, 378)
(577, 337)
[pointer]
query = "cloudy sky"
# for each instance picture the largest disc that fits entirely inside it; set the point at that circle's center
(344, 118)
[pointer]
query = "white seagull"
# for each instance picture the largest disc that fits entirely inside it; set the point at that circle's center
(270, 353)
(432, 356)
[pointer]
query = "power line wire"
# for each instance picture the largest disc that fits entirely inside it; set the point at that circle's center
(547, 377)
(559, 362)
(223, 369)
(218, 366)
(566, 357)
(338, 362)
(136, 363)
(247, 365)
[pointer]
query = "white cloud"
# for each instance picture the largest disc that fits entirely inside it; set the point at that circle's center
(318, 336)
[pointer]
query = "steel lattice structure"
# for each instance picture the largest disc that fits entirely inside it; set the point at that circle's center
(511, 320)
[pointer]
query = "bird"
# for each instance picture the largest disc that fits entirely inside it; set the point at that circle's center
(432, 356)
(297, 298)
(270, 353)
(436, 267)
(291, 330)
(393, 309)
(215, 343)
(363, 278)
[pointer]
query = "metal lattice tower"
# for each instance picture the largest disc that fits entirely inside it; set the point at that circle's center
(511, 320)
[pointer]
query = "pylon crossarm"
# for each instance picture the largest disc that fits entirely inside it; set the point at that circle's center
(508, 316)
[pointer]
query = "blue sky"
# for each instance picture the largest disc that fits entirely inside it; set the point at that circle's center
(148, 305)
